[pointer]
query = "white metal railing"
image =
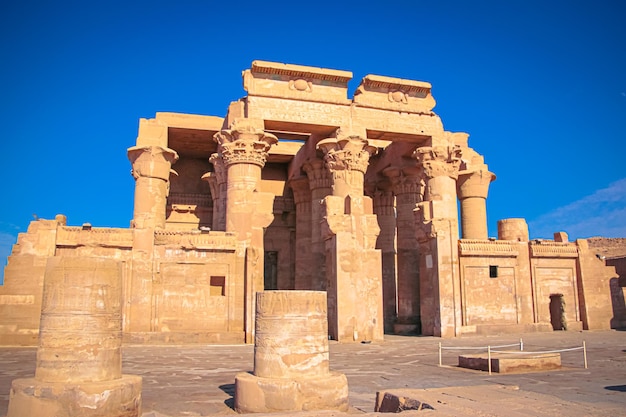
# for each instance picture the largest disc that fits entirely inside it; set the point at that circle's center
(521, 351)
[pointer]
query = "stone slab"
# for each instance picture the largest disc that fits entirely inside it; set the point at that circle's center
(511, 362)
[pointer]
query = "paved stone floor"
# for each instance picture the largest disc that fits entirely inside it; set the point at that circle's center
(199, 380)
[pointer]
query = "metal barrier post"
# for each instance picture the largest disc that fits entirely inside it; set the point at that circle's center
(521, 344)
(489, 358)
(585, 354)
(439, 353)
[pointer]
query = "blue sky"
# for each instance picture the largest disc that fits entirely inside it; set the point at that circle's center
(539, 86)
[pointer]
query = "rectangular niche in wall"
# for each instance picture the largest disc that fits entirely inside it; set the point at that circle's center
(218, 286)
(493, 271)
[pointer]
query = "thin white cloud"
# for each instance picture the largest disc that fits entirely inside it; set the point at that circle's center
(6, 243)
(602, 213)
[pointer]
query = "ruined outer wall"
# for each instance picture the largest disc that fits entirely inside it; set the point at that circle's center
(195, 295)
(527, 273)
(21, 294)
(493, 297)
(600, 291)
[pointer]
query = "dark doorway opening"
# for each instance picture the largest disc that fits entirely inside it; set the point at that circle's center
(270, 270)
(557, 312)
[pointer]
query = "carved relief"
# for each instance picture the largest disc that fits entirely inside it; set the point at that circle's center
(406, 180)
(439, 160)
(246, 142)
(398, 96)
(301, 84)
(317, 173)
(350, 154)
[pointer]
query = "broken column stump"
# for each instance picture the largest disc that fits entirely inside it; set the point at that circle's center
(291, 360)
(79, 362)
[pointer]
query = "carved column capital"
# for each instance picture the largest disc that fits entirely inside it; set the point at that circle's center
(349, 153)
(318, 175)
(382, 198)
(245, 142)
(474, 183)
(301, 190)
(407, 180)
(152, 161)
(439, 161)
(219, 168)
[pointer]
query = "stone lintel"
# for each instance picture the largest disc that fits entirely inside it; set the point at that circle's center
(272, 79)
(189, 121)
(323, 118)
(394, 94)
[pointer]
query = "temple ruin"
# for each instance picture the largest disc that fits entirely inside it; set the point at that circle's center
(299, 187)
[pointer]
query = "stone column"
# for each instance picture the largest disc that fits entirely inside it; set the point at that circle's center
(353, 265)
(217, 182)
(244, 149)
(408, 189)
(513, 229)
(291, 360)
(304, 264)
(384, 202)
(151, 170)
(79, 360)
(437, 232)
(320, 184)
(472, 189)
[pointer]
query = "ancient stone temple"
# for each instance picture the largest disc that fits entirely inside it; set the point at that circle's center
(300, 187)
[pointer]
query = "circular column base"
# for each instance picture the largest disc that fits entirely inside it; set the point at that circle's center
(268, 395)
(117, 398)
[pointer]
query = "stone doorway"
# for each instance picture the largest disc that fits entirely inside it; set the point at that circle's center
(557, 312)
